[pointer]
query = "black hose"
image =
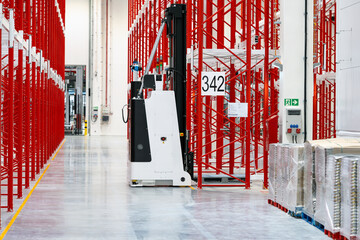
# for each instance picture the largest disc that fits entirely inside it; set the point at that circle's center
(122, 110)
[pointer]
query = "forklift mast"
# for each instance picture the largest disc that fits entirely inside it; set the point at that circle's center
(175, 17)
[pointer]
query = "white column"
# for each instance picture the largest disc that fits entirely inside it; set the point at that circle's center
(292, 44)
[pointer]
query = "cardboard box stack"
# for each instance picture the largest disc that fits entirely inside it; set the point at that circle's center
(272, 171)
(321, 179)
(349, 196)
(286, 175)
(314, 173)
(309, 177)
(322, 154)
(358, 197)
(279, 175)
(332, 199)
(295, 180)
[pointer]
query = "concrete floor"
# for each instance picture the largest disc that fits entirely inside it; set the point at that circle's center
(85, 195)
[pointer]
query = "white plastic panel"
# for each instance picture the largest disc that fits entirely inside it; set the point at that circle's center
(166, 157)
(348, 68)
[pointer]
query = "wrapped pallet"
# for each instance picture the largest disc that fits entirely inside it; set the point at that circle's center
(309, 177)
(332, 203)
(322, 153)
(358, 197)
(309, 171)
(272, 172)
(344, 140)
(279, 174)
(349, 197)
(283, 174)
(294, 155)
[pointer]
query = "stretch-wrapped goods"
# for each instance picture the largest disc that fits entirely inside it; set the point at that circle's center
(309, 170)
(279, 175)
(272, 171)
(349, 196)
(322, 153)
(358, 233)
(295, 179)
(332, 203)
(309, 177)
(286, 175)
(284, 150)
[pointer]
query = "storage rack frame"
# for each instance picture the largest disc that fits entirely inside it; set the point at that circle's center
(222, 146)
(324, 103)
(32, 91)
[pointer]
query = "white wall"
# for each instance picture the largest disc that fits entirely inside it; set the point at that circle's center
(348, 68)
(77, 33)
(117, 65)
(78, 53)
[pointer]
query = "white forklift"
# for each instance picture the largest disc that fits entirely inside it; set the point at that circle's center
(158, 147)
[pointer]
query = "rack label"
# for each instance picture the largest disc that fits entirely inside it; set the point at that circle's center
(237, 109)
(213, 84)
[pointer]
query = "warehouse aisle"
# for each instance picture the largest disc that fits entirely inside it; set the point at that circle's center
(84, 195)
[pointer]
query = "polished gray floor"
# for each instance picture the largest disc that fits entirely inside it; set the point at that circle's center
(84, 195)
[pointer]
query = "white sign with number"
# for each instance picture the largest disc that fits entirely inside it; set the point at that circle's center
(213, 84)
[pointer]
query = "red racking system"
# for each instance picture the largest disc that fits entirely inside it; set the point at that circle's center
(32, 96)
(324, 75)
(225, 145)
(241, 38)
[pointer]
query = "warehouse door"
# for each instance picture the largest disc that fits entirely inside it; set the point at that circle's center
(75, 99)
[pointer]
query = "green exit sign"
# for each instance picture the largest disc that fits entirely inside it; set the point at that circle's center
(291, 102)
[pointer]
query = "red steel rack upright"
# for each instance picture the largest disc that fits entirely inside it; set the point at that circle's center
(233, 147)
(324, 104)
(32, 90)
(240, 38)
